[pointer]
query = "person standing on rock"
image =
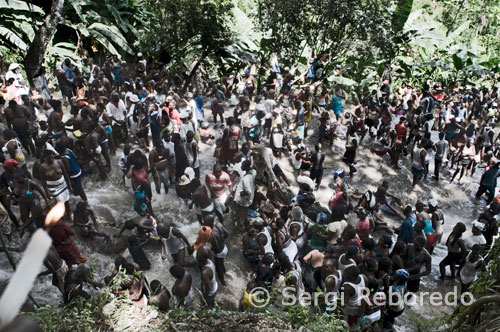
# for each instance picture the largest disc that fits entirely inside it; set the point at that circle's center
(209, 285)
(317, 160)
(182, 288)
(230, 139)
(56, 181)
(244, 193)
(216, 181)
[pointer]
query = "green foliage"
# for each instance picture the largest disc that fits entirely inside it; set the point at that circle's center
(182, 27)
(17, 27)
(111, 23)
(336, 27)
(401, 14)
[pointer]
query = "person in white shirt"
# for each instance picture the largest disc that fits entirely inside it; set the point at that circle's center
(116, 109)
(473, 264)
(475, 236)
(245, 193)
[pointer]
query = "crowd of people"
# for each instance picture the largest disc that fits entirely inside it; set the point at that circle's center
(138, 110)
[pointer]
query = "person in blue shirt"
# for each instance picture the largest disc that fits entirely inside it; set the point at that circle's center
(200, 107)
(488, 183)
(405, 233)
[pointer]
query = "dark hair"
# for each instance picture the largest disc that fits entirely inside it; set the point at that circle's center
(398, 249)
(385, 264)
(387, 241)
(369, 244)
(177, 271)
(156, 287)
(372, 285)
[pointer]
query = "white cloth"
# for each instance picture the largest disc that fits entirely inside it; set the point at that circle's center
(247, 184)
(117, 112)
(471, 239)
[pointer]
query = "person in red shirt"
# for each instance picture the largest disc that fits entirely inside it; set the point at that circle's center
(216, 181)
(399, 141)
(230, 140)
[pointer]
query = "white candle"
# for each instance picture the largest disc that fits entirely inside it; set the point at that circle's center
(28, 269)
(21, 282)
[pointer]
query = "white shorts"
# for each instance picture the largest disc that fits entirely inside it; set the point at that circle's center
(223, 253)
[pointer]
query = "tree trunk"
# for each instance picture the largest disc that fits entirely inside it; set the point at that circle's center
(193, 71)
(33, 61)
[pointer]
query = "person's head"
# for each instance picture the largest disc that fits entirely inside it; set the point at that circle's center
(477, 227)
(352, 251)
(246, 165)
(369, 244)
(217, 170)
(385, 242)
(115, 97)
(385, 264)
(280, 223)
(245, 148)
(419, 206)
(317, 147)
(176, 138)
(81, 207)
(349, 234)
(47, 156)
(329, 265)
(126, 149)
(329, 250)
(267, 259)
(361, 213)
(177, 271)
(352, 273)
(372, 265)
(475, 252)
(419, 242)
(231, 121)
(9, 134)
(401, 276)
(459, 228)
(408, 211)
(203, 254)
(156, 287)
(67, 62)
(399, 248)
(189, 136)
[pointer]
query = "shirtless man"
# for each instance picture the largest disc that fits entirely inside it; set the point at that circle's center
(146, 227)
(161, 166)
(55, 180)
(20, 120)
(173, 241)
(201, 199)
(182, 288)
(416, 258)
(209, 285)
(92, 145)
(381, 198)
(219, 235)
(160, 296)
(57, 127)
(56, 266)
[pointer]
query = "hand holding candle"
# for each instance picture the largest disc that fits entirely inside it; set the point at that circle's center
(21, 282)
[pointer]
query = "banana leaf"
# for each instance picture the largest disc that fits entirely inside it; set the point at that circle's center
(342, 80)
(13, 38)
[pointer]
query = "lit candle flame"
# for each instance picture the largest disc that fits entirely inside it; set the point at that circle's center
(55, 214)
